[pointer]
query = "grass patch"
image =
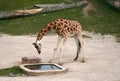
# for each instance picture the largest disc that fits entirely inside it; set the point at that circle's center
(103, 19)
(13, 71)
(28, 25)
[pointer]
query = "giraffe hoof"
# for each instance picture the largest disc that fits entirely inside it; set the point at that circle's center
(50, 61)
(60, 63)
(75, 59)
(55, 49)
(83, 60)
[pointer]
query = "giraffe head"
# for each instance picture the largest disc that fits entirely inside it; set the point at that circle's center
(37, 46)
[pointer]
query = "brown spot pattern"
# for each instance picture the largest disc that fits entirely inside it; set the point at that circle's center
(63, 27)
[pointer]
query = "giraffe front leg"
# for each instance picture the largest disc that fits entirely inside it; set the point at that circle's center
(53, 58)
(61, 56)
(61, 50)
(55, 49)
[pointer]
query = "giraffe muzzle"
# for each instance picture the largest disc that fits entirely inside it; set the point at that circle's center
(39, 52)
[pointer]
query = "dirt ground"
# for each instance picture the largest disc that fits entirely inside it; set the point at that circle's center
(102, 52)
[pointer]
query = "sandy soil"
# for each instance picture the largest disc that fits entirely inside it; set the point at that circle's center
(103, 57)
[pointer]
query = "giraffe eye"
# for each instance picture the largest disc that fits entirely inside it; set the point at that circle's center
(40, 44)
(36, 46)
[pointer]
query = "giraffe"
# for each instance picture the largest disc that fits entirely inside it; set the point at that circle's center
(64, 28)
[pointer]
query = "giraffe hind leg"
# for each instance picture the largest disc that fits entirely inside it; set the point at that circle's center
(78, 50)
(78, 47)
(82, 49)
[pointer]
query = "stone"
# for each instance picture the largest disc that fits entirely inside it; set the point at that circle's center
(31, 59)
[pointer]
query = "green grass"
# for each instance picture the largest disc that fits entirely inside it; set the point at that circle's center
(13, 70)
(103, 19)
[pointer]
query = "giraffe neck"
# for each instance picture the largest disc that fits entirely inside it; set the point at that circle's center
(47, 28)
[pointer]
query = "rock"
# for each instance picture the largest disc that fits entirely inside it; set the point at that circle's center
(32, 59)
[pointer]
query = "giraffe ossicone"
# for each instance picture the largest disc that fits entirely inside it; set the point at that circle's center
(64, 28)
